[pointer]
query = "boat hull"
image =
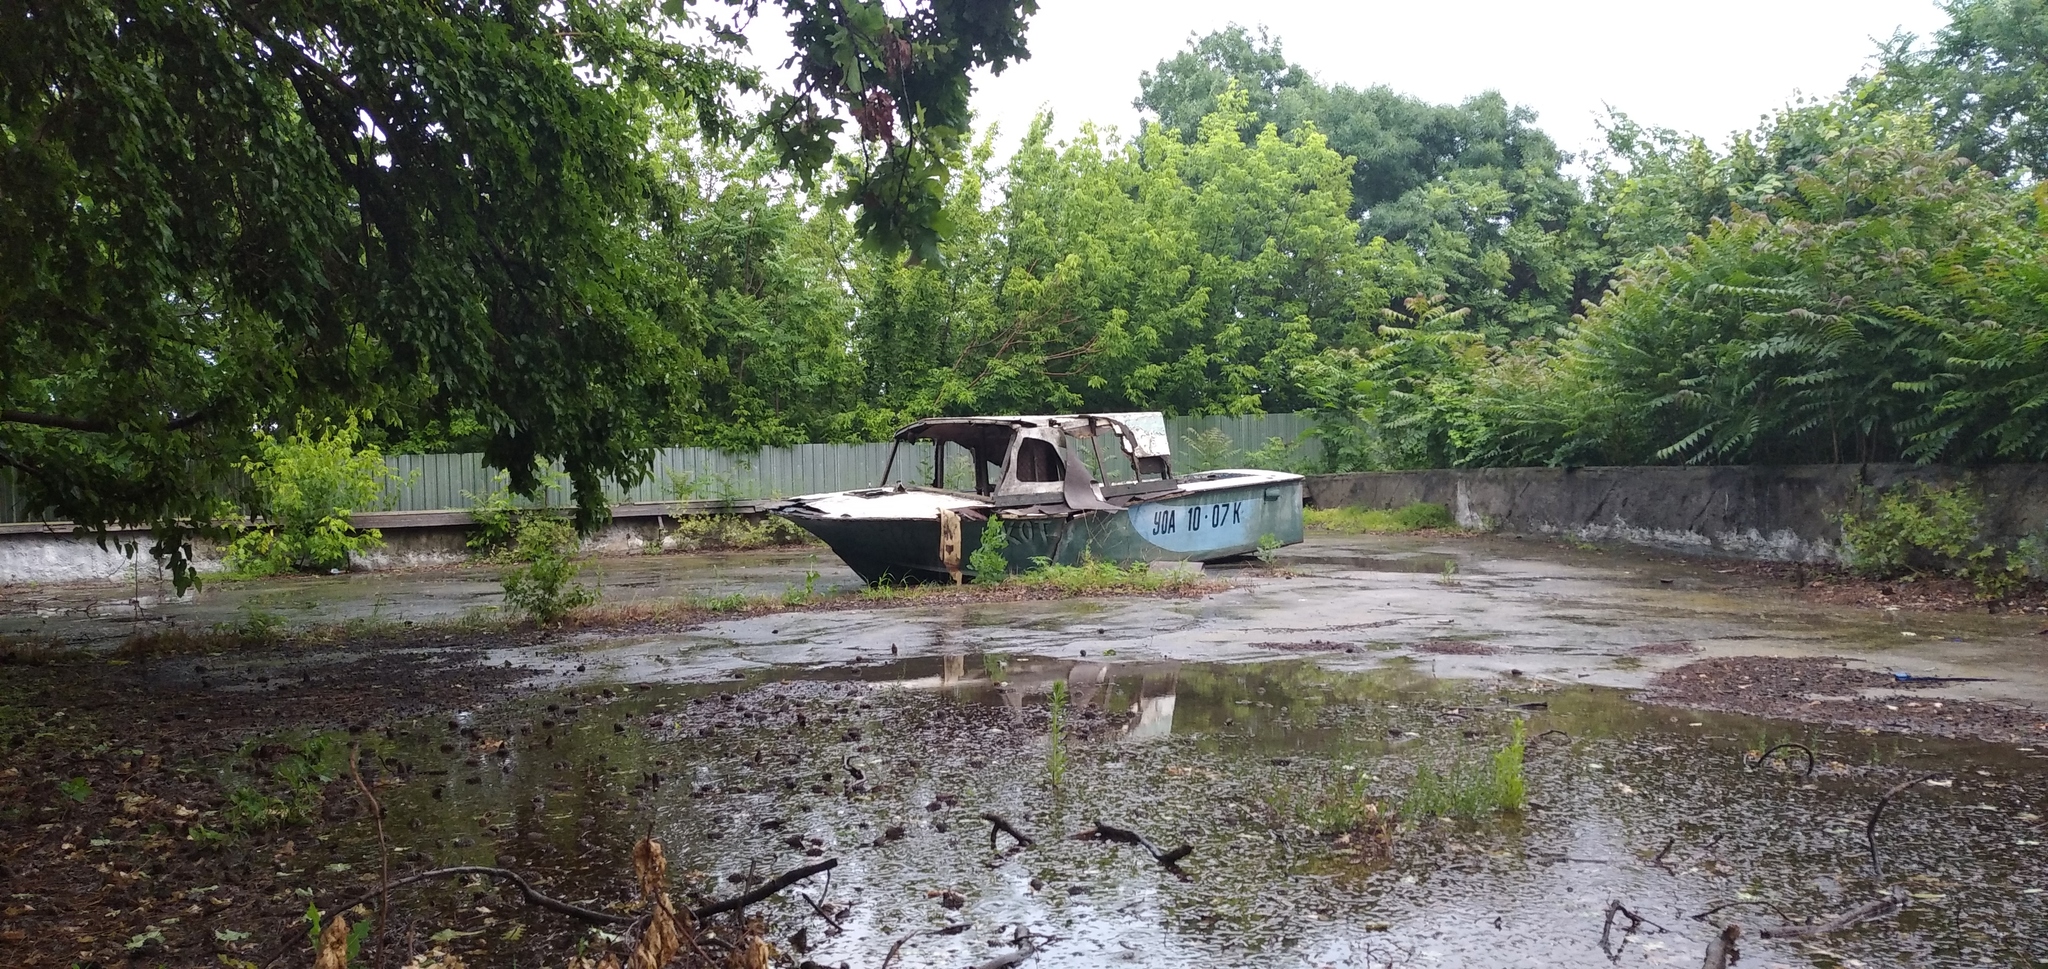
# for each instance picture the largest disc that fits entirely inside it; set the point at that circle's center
(1212, 518)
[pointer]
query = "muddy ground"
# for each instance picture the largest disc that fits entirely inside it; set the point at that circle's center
(175, 809)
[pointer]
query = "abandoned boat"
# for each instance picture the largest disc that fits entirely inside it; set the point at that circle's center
(1065, 488)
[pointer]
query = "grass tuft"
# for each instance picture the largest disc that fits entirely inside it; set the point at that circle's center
(1470, 790)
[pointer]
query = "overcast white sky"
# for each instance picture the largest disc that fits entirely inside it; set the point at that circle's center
(1704, 67)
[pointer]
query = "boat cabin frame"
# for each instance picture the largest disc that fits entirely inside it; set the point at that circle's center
(1032, 460)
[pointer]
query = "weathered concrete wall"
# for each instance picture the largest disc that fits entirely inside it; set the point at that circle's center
(40, 555)
(1779, 513)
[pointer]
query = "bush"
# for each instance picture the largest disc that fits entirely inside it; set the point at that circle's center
(1917, 526)
(695, 533)
(307, 487)
(987, 561)
(1922, 527)
(542, 588)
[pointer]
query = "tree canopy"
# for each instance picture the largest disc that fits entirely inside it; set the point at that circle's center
(219, 215)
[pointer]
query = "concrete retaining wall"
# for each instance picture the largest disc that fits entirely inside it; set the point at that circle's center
(54, 553)
(1777, 513)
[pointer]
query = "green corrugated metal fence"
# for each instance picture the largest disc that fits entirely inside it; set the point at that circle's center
(434, 482)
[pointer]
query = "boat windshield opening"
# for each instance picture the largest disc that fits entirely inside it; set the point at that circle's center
(1038, 461)
(1103, 453)
(947, 465)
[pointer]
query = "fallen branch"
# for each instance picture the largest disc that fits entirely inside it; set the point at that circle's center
(1877, 811)
(559, 907)
(1751, 766)
(997, 823)
(1635, 922)
(1722, 953)
(787, 879)
(1880, 908)
(383, 854)
(1169, 860)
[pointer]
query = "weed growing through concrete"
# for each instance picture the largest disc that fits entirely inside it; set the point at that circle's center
(1471, 790)
(1416, 517)
(1093, 576)
(543, 587)
(1056, 739)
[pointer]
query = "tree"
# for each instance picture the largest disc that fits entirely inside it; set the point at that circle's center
(1474, 192)
(219, 215)
(1984, 80)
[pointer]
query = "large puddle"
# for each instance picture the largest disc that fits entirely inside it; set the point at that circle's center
(887, 767)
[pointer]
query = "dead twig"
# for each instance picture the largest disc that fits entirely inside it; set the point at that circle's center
(1663, 853)
(997, 823)
(1877, 811)
(1615, 908)
(1888, 905)
(954, 929)
(1722, 952)
(1751, 766)
(1702, 916)
(383, 853)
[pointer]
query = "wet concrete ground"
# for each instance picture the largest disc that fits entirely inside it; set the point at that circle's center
(878, 735)
(1549, 612)
(1606, 618)
(888, 768)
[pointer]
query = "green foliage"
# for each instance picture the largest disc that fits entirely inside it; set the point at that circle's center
(1413, 517)
(1205, 451)
(1056, 735)
(1916, 526)
(1341, 806)
(543, 587)
(1093, 576)
(1269, 548)
(218, 216)
(704, 532)
(290, 793)
(1470, 790)
(307, 486)
(1983, 80)
(77, 789)
(498, 514)
(799, 595)
(989, 561)
(1922, 527)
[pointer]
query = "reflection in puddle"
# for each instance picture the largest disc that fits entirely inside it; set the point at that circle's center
(888, 767)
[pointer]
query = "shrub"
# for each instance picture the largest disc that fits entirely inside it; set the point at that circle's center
(988, 561)
(307, 486)
(1917, 526)
(542, 587)
(701, 532)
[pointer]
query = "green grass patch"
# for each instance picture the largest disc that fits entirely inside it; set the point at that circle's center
(1105, 577)
(1469, 790)
(1419, 516)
